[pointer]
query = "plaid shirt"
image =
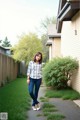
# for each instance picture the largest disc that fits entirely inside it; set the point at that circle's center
(34, 70)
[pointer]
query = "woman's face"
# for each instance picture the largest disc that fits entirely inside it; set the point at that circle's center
(38, 57)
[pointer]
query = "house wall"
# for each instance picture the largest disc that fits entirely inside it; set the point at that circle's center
(5, 51)
(70, 45)
(8, 52)
(50, 52)
(56, 47)
(2, 50)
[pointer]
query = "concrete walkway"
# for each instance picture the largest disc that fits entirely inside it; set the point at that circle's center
(33, 114)
(66, 107)
(77, 102)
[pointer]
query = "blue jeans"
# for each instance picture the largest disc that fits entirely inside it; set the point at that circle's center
(33, 87)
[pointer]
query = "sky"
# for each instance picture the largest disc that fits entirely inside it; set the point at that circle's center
(24, 16)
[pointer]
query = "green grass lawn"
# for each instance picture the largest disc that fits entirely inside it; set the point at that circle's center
(55, 117)
(15, 100)
(64, 94)
(49, 111)
(44, 99)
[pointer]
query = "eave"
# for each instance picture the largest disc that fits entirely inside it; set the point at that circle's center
(67, 12)
(55, 36)
(49, 43)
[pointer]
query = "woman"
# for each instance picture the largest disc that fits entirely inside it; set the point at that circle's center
(34, 79)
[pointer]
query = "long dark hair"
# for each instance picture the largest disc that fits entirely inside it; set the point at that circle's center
(39, 53)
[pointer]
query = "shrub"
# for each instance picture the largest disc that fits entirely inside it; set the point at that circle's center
(21, 75)
(58, 71)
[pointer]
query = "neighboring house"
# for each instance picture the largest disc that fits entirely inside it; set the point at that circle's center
(68, 44)
(5, 50)
(68, 24)
(54, 42)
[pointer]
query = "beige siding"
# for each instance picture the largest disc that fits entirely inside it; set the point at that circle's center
(56, 47)
(50, 52)
(70, 44)
(76, 80)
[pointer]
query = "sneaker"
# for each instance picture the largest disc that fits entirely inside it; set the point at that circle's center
(34, 108)
(38, 106)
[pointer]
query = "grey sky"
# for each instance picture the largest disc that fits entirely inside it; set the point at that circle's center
(23, 16)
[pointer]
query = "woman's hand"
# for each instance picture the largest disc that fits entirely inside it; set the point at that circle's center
(28, 81)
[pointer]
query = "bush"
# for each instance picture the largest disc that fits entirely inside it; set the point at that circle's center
(58, 71)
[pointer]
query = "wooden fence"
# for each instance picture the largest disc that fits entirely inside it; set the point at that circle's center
(8, 69)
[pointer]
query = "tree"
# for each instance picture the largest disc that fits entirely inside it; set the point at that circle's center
(47, 21)
(45, 49)
(27, 47)
(6, 43)
(0, 41)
